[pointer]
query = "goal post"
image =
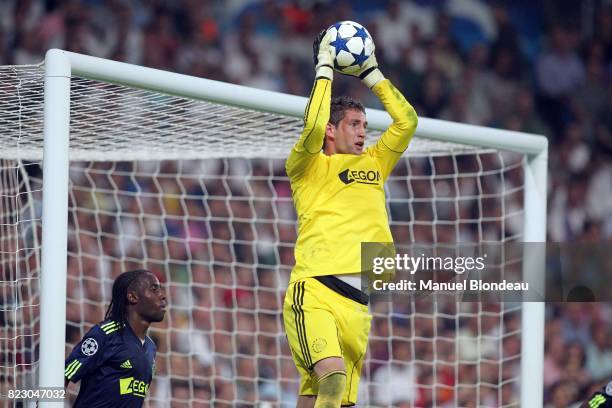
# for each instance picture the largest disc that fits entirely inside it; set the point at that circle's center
(61, 66)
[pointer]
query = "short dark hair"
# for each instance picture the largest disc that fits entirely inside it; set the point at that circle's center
(117, 310)
(339, 105)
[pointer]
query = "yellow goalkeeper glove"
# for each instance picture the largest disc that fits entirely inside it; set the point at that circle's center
(323, 57)
(369, 74)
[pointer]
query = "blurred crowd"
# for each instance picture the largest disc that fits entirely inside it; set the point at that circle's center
(540, 67)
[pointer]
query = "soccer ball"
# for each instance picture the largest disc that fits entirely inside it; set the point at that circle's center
(351, 44)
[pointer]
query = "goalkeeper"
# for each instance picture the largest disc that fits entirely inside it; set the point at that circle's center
(337, 188)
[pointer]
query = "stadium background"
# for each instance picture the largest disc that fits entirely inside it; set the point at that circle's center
(540, 67)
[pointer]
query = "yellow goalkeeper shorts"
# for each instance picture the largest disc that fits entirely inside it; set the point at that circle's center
(321, 323)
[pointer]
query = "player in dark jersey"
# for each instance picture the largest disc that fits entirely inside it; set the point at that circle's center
(601, 399)
(115, 361)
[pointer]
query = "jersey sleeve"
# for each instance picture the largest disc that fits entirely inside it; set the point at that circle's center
(601, 399)
(394, 141)
(316, 116)
(87, 355)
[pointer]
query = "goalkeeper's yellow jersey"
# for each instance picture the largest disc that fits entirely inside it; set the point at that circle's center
(340, 199)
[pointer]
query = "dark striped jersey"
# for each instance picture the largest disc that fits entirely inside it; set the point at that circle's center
(601, 399)
(114, 366)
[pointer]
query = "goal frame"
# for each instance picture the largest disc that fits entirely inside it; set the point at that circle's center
(61, 65)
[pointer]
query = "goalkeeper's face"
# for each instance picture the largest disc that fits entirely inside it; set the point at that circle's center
(348, 137)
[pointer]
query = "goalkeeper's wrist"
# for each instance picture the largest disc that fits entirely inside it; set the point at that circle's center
(371, 77)
(324, 71)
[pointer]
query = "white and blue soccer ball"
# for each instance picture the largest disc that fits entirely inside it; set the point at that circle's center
(352, 45)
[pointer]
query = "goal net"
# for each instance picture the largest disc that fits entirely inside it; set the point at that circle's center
(197, 193)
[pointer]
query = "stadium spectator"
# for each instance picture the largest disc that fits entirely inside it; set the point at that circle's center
(396, 383)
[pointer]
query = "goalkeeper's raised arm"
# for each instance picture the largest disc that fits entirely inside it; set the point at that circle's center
(338, 192)
(316, 115)
(394, 141)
